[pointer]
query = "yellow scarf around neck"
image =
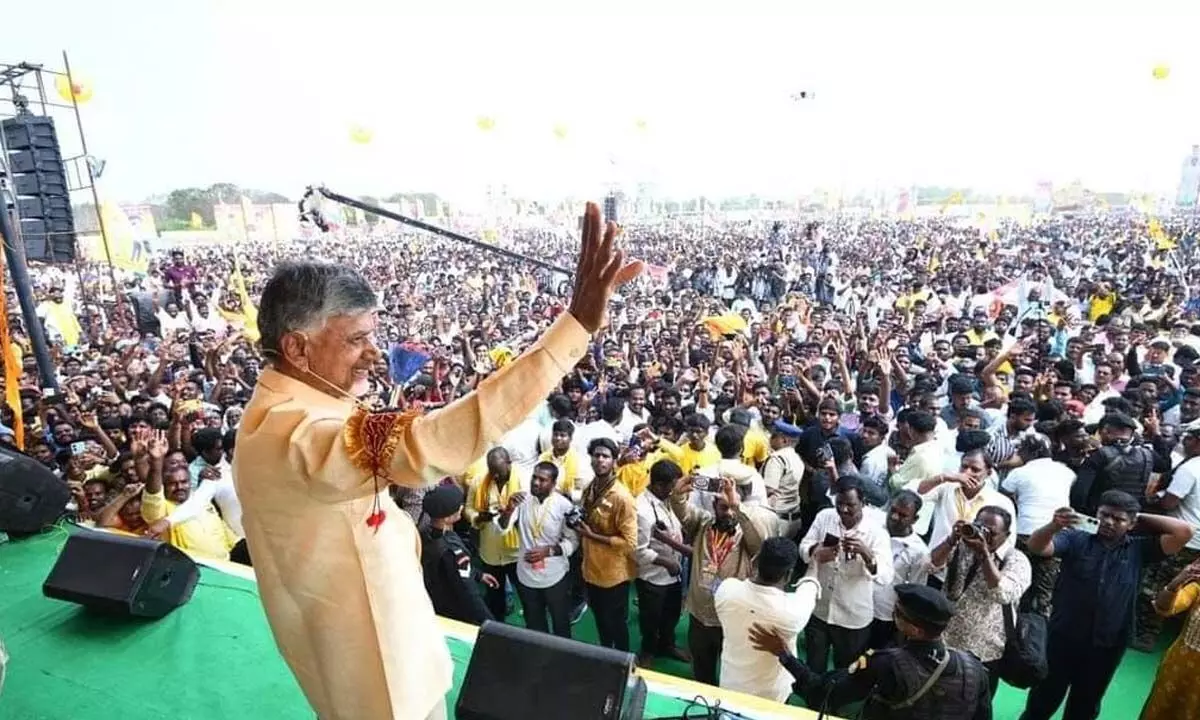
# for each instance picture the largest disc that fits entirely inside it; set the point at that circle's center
(482, 502)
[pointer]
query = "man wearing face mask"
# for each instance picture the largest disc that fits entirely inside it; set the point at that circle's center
(1119, 464)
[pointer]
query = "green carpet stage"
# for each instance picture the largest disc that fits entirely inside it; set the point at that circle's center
(212, 659)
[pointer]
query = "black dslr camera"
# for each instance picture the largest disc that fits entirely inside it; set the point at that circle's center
(977, 530)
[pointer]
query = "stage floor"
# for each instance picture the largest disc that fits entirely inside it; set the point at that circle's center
(211, 659)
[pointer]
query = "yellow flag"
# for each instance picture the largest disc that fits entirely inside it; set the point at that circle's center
(124, 248)
(1162, 241)
(12, 367)
(249, 315)
(721, 325)
(196, 222)
(955, 199)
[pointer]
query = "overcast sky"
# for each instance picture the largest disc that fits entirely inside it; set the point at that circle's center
(263, 93)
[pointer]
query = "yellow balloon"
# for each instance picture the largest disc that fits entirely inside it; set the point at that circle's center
(560, 131)
(485, 123)
(360, 135)
(1161, 72)
(80, 91)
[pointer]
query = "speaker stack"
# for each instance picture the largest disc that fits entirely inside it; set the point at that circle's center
(39, 181)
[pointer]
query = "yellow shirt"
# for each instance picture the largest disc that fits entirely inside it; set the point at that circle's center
(206, 534)
(755, 448)
(689, 458)
(568, 469)
(977, 339)
(1101, 305)
(345, 601)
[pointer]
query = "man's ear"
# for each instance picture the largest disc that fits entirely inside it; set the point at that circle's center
(293, 349)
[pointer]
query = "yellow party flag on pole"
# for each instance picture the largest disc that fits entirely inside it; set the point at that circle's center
(955, 199)
(1162, 241)
(126, 251)
(12, 367)
(249, 314)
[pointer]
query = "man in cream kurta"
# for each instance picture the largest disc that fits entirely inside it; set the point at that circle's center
(366, 646)
(345, 600)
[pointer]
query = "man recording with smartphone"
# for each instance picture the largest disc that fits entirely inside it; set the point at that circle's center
(724, 543)
(1091, 619)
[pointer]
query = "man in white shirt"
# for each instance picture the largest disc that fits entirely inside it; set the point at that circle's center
(917, 429)
(730, 440)
(659, 554)
(546, 544)
(635, 413)
(1182, 496)
(910, 562)
(1038, 487)
(172, 321)
(605, 427)
(960, 496)
(763, 600)
(1181, 500)
(852, 557)
(874, 434)
(522, 443)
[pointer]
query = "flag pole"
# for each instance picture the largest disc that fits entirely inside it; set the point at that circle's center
(112, 272)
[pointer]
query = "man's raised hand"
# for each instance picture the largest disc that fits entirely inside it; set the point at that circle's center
(602, 268)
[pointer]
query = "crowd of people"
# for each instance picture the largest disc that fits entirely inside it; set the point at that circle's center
(885, 442)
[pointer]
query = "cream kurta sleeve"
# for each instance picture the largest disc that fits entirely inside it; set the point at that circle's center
(446, 441)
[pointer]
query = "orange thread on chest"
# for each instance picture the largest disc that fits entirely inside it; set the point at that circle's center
(371, 439)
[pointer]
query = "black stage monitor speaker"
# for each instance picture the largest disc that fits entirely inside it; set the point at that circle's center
(519, 674)
(31, 497)
(122, 575)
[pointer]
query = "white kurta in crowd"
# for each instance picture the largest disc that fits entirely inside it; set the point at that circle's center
(743, 603)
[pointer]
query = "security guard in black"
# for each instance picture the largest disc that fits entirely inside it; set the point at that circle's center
(450, 580)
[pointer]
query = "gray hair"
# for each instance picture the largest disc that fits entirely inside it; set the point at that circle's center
(303, 295)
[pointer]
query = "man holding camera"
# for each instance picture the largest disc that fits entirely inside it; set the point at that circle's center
(546, 544)
(608, 526)
(984, 572)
